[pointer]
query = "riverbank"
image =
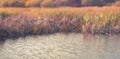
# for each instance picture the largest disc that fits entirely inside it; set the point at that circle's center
(26, 21)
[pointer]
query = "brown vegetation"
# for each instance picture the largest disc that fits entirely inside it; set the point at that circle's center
(116, 4)
(50, 20)
(55, 3)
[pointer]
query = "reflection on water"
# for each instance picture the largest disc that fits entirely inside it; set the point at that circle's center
(62, 46)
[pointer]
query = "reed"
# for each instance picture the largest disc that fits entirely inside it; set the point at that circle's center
(101, 20)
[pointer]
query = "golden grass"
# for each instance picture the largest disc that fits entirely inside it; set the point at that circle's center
(50, 20)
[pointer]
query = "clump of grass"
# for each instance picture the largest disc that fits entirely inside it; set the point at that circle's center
(4, 14)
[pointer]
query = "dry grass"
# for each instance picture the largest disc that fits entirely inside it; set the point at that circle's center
(50, 20)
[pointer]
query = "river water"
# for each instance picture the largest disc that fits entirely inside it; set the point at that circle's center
(62, 46)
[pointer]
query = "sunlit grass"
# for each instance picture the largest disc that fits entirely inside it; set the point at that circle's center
(51, 20)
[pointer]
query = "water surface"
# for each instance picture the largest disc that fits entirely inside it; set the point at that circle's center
(62, 46)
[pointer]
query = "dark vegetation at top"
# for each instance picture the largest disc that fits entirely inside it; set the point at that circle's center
(57, 3)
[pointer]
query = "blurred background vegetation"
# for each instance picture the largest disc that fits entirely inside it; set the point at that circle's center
(58, 3)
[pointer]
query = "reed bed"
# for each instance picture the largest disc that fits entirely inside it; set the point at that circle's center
(25, 21)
